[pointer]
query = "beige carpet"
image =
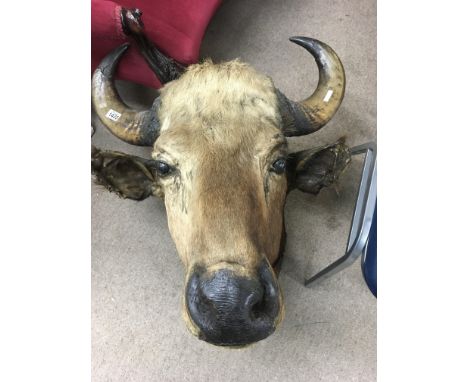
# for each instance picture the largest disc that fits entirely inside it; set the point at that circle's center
(329, 332)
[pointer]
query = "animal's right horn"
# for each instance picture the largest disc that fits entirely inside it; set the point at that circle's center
(132, 126)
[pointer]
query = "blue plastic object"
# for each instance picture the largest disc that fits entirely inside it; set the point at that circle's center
(369, 258)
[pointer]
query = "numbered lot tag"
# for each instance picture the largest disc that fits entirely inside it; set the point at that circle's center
(114, 115)
(328, 95)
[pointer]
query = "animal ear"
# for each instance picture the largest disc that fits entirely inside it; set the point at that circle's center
(311, 170)
(128, 176)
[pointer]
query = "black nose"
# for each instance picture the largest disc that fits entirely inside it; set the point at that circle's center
(232, 310)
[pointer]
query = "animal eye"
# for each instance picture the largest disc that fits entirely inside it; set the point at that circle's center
(163, 168)
(279, 166)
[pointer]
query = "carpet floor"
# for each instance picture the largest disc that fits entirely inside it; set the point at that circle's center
(329, 331)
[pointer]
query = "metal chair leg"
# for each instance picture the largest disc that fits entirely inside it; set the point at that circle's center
(362, 217)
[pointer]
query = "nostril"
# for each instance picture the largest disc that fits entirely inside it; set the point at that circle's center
(254, 304)
(258, 311)
(205, 305)
(265, 308)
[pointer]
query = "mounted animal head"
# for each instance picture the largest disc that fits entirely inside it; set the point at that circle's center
(220, 162)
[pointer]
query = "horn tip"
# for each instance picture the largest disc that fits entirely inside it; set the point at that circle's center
(109, 62)
(122, 48)
(119, 49)
(305, 41)
(298, 38)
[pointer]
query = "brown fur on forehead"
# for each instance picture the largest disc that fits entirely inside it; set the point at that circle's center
(228, 103)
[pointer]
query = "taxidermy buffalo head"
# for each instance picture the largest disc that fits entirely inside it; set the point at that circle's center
(220, 162)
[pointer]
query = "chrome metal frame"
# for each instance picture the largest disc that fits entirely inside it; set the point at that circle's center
(362, 217)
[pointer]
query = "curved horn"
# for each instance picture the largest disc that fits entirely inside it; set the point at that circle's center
(132, 126)
(309, 115)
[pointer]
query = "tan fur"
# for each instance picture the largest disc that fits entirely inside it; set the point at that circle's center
(208, 95)
(221, 130)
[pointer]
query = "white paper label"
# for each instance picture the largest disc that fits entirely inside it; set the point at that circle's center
(114, 115)
(328, 95)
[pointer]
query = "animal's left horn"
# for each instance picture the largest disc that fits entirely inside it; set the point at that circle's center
(309, 115)
(137, 127)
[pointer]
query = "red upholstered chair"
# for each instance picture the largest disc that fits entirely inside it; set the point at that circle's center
(175, 26)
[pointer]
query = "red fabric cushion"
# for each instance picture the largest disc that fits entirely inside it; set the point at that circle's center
(175, 26)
